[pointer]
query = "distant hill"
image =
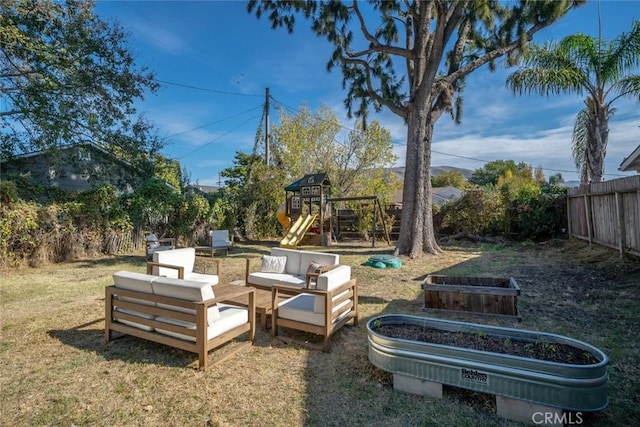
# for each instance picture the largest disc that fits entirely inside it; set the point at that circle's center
(435, 171)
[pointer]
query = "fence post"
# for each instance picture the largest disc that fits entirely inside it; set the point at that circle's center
(620, 224)
(587, 213)
(569, 219)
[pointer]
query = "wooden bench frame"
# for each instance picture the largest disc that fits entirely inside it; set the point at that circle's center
(201, 346)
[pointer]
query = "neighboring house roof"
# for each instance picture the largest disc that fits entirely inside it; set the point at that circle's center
(75, 167)
(91, 145)
(206, 189)
(439, 196)
(632, 162)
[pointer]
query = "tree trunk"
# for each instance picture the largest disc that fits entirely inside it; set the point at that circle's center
(416, 224)
(598, 146)
(429, 243)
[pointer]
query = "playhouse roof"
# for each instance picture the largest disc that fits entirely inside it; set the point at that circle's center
(311, 179)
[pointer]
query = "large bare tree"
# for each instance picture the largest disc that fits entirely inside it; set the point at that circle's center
(412, 57)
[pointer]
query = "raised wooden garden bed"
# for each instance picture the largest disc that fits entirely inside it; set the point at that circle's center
(480, 295)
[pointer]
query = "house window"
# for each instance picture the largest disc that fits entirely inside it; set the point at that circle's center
(84, 156)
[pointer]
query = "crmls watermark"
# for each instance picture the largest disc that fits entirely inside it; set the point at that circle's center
(554, 418)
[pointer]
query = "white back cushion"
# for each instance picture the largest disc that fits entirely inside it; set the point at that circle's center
(321, 258)
(220, 238)
(184, 257)
(334, 278)
(293, 259)
(230, 317)
(186, 290)
(134, 282)
(331, 280)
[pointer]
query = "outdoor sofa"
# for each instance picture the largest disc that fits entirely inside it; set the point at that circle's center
(310, 292)
(296, 269)
(179, 313)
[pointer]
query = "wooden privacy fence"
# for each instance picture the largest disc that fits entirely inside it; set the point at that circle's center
(607, 213)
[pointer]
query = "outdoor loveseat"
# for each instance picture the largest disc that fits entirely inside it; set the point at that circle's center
(296, 269)
(179, 313)
(310, 291)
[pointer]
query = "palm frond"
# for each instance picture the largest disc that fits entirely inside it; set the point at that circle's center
(627, 87)
(579, 139)
(622, 55)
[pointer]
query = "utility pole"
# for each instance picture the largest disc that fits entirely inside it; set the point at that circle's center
(266, 127)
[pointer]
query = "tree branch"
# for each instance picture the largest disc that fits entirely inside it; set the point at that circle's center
(377, 46)
(490, 56)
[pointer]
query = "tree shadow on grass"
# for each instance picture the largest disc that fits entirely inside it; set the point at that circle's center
(109, 261)
(125, 348)
(130, 349)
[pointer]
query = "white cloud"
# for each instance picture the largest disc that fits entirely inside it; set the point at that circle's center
(159, 37)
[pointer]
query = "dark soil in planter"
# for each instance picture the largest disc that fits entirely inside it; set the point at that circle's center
(540, 350)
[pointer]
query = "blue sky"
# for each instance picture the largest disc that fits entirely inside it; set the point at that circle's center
(218, 60)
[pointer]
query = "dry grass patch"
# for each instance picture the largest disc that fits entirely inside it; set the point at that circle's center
(57, 370)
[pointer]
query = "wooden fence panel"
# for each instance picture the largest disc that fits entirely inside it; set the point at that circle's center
(607, 213)
(631, 203)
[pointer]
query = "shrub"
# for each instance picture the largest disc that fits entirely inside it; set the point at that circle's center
(539, 215)
(478, 211)
(18, 227)
(8, 193)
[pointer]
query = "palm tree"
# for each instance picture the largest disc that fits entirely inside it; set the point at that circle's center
(585, 65)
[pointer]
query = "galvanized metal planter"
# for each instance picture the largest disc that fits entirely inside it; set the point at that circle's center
(559, 385)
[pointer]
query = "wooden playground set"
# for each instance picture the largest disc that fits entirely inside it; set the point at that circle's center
(310, 215)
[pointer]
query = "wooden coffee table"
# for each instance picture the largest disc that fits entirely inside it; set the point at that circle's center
(262, 300)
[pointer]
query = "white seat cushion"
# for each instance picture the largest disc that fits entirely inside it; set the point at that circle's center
(270, 279)
(209, 279)
(300, 309)
(230, 317)
(135, 324)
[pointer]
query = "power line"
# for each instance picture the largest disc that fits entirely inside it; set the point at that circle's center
(218, 138)
(294, 111)
(204, 89)
(214, 122)
(489, 161)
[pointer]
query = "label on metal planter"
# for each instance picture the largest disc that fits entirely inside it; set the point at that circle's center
(474, 376)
